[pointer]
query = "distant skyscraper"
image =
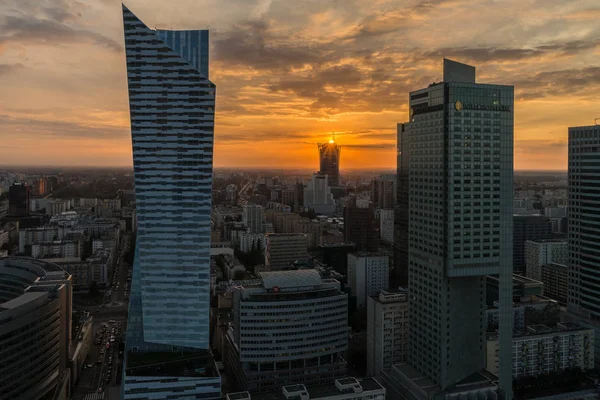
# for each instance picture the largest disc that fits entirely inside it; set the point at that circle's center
(253, 217)
(460, 219)
(317, 195)
(329, 159)
(383, 191)
(584, 225)
(18, 200)
(368, 275)
(172, 124)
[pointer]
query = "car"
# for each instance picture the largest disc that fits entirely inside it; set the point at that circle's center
(90, 365)
(100, 389)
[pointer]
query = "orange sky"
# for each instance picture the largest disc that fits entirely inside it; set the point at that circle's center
(289, 73)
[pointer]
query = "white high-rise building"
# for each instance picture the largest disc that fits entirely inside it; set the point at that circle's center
(542, 252)
(253, 217)
(317, 195)
(171, 102)
(368, 275)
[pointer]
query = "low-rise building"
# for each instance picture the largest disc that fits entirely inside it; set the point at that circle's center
(541, 350)
(288, 327)
(281, 249)
(56, 249)
(340, 389)
(542, 252)
(387, 330)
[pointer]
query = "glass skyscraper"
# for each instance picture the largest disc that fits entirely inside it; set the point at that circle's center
(329, 162)
(457, 154)
(171, 102)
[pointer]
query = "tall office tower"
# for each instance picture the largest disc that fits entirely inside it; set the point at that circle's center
(288, 327)
(18, 200)
(460, 219)
(400, 272)
(528, 227)
(368, 275)
(329, 160)
(360, 228)
(584, 227)
(171, 103)
(253, 217)
(288, 197)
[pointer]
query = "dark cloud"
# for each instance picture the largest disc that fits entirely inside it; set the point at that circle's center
(557, 83)
(251, 44)
(29, 29)
(372, 146)
(498, 54)
(8, 68)
(40, 129)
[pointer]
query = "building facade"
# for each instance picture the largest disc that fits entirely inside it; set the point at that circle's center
(528, 227)
(584, 226)
(368, 275)
(542, 252)
(360, 228)
(288, 327)
(541, 350)
(171, 101)
(18, 200)
(555, 278)
(35, 328)
(460, 223)
(284, 248)
(253, 217)
(387, 330)
(400, 273)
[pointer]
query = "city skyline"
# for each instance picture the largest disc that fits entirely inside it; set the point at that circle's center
(289, 78)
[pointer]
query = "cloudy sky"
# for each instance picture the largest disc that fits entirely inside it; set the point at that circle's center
(290, 72)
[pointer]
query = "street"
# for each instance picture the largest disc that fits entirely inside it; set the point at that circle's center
(103, 366)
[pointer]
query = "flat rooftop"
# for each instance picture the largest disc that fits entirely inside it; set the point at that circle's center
(321, 391)
(175, 364)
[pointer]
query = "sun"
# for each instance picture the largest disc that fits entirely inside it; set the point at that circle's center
(331, 141)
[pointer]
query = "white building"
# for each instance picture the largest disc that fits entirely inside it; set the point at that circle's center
(249, 240)
(387, 330)
(368, 275)
(556, 212)
(541, 252)
(58, 249)
(27, 237)
(253, 217)
(542, 350)
(317, 195)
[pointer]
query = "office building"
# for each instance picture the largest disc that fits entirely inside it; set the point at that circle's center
(4, 238)
(336, 256)
(541, 252)
(329, 161)
(368, 275)
(288, 197)
(400, 273)
(18, 200)
(360, 228)
(387, 330)
(312, 229)
(383, 191)
(171, 101)
(528, 227)
(289, 327)
(341, 389)
(317, 195)
(35, 328)
(253, 217)
(555, 278)
(460, 224)
(584, 227)
(282, 249)
(541, 350)
(522, 287)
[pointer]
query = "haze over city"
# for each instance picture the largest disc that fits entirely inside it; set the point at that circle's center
(290, 75)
